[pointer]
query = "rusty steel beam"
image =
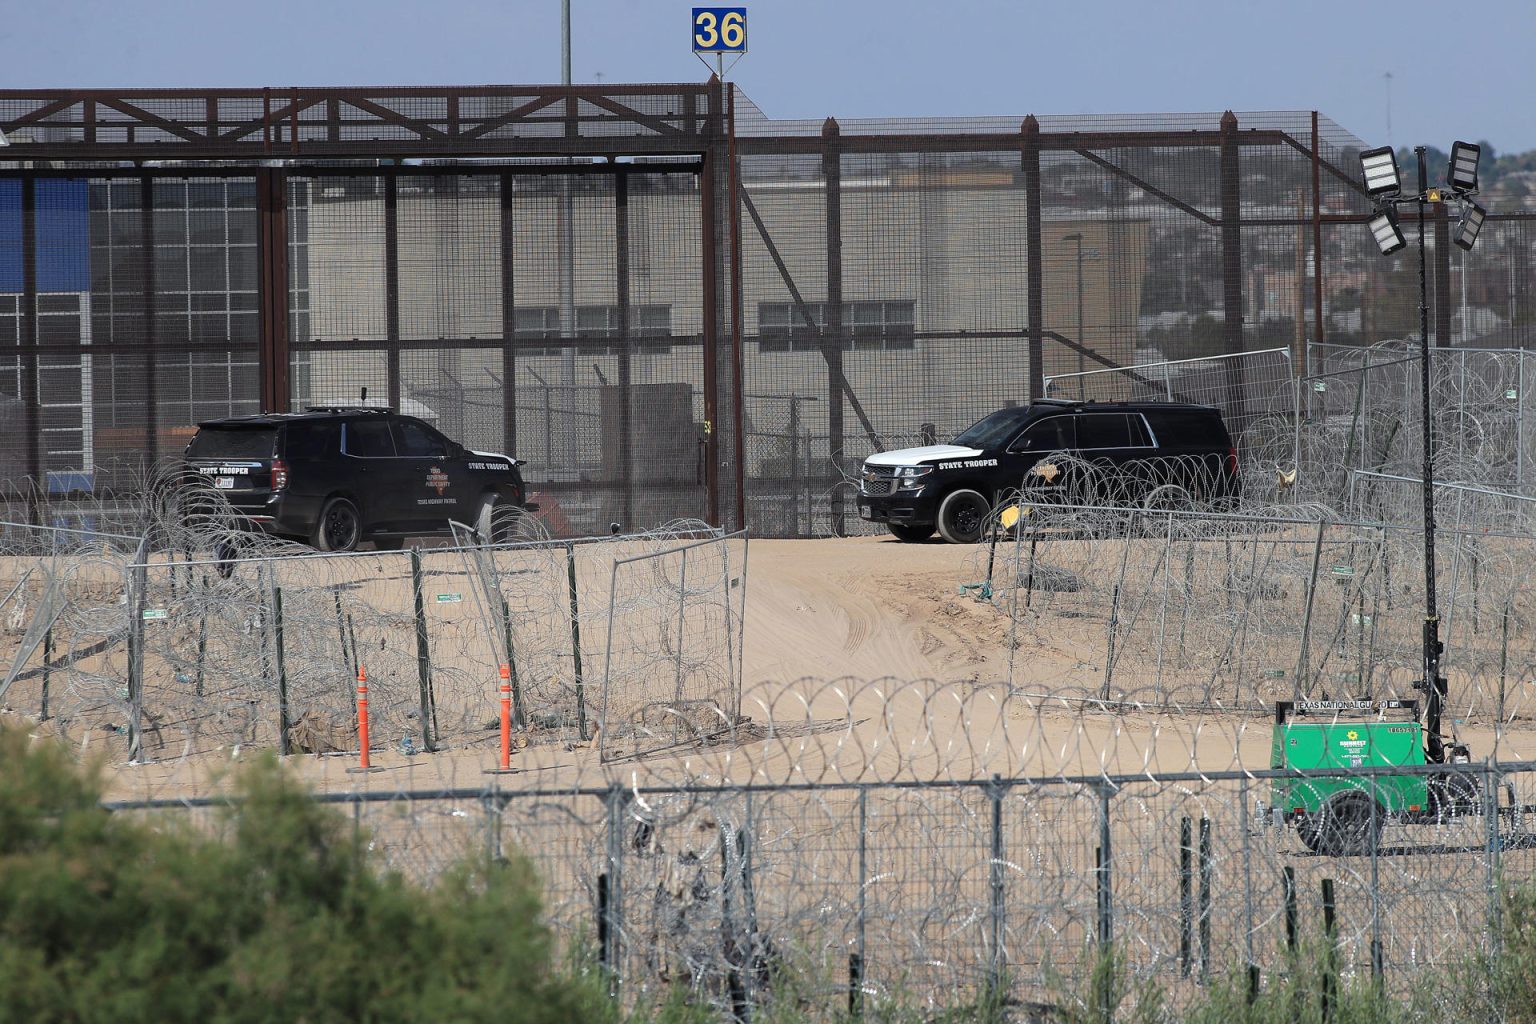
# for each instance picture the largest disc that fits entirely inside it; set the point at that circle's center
(1034, 275)
(110, 123)
(1148, 187)
(708, 243)
(1001, 142)
(302, 170)
(272, 270)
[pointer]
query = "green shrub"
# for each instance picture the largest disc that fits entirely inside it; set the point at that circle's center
(279, 918)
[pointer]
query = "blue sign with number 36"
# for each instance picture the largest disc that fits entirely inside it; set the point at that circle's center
(719, 30)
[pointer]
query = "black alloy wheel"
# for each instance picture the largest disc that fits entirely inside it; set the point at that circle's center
(340, 527)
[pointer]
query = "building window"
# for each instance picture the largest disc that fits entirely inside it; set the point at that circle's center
(650, 329)
(204, 262)
(867, 326)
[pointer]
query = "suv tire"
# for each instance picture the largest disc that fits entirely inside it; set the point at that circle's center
(340, 527)
(963, 516)
(910, 534)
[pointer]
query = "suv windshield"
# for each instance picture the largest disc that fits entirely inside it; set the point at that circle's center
(233, 443)
(995, 430)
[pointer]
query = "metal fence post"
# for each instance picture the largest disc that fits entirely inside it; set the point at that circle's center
(495, 808)
(581, 696)
(682, 600)
(1186, 899)
(42, 715)
(1114, 605)
(1162, 611)
(1491, 783)
(1303, 668)
(1105, 906)
(1378, 965)
(1288, 898)
(1102, 874)
(617, 800)
(202, 638)
(856, 960)
(1206, 868)
(520, 720)
(1520, 424)
(423, 653)
(138, 583)
(282, 671)
(794, 466)
(1330, 952)
(1247, 833)
(998, 961)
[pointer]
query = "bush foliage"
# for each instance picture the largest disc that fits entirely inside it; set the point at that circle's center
(277, 917)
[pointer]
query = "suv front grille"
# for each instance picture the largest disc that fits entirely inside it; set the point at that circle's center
(877, 481)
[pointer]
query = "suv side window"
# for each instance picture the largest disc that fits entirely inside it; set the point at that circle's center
(1103, 430)
(312, 441)
(418, 441)
(1183, 429)
(1052, 434)
(369, 439)
(1112, 430)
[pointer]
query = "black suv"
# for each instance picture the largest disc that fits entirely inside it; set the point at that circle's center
(334, 477)
(1115, 452)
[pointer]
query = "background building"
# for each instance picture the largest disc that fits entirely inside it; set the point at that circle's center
(666, 302)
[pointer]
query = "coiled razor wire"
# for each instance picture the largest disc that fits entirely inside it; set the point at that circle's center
(198, 635)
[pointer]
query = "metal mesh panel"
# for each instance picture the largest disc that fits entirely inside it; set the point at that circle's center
(898, 278)
(134, 315)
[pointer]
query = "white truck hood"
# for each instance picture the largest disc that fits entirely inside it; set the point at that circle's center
(918, 456)
(496, 455)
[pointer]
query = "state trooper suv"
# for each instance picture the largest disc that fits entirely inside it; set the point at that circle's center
(336, 476)
(1119, 452)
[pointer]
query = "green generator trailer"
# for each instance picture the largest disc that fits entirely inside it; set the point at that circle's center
(1342, 815)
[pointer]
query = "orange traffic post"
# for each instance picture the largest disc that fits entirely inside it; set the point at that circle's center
(362, 722)
(506, 717)
(504, 766)
(362, 715)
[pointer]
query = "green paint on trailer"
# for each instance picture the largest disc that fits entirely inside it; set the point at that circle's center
(1345, 744)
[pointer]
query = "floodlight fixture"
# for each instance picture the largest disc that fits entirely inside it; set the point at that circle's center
(1463, 166)
(1388, 236)
(1380, 169)
(1471, 223)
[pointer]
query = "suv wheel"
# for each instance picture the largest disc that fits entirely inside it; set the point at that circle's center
(963, 516)
(910, 534)
(340, 527)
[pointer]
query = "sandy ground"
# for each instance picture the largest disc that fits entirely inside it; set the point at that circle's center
(862, 661)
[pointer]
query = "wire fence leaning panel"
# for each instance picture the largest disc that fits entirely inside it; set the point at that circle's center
(1221, 611)
(181, 653)
(1361, 409)
(927, 894)
(673, 670)
(1254, 390)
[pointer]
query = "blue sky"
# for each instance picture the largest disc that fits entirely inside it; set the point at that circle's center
(848, 58)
